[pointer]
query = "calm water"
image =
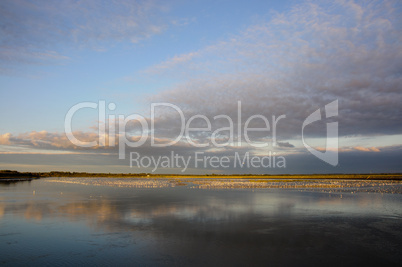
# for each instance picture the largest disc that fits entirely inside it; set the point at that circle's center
(103, 221)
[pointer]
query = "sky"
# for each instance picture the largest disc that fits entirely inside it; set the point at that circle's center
(273, 62)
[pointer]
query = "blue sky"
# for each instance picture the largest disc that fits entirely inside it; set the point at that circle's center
(106, 68)
(276, 57)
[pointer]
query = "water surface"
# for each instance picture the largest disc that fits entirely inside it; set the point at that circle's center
(164, 222)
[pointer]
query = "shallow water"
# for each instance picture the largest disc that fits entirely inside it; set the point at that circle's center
(109, 221)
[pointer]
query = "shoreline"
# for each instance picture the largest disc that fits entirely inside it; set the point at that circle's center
(6, 175)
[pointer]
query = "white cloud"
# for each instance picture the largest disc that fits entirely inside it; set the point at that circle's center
(5, 139)
(172, 63)
(298, 62)
(30, 32)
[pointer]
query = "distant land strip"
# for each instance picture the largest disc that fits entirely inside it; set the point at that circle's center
(9, 175)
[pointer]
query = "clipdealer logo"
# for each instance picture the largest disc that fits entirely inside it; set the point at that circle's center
(330, 155)
(113, 138)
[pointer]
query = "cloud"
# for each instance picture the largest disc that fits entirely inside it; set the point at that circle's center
(5, 139)
(367, 149)
(285, 144)
(291, 64)
(171, 63)
(45, 140)
(351, 161)
(297, 62)
(31, 32)
(358, 148)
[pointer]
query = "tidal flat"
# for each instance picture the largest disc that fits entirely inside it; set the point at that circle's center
(198, 222)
